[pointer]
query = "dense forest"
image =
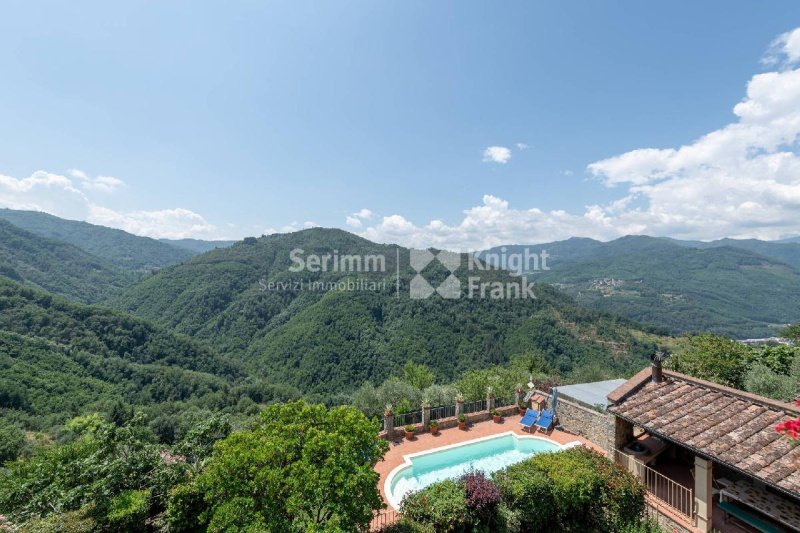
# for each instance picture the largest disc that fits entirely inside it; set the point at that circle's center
(331, 341)
(59, 267)
(740, 289)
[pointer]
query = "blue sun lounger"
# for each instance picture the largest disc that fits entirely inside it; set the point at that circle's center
(545, 421)
(529, 419)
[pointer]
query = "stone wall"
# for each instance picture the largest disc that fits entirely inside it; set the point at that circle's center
(596, 426)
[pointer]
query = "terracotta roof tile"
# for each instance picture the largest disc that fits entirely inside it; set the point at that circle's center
(727, 425)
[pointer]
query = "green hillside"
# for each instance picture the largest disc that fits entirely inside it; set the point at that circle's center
(683, 287)
(59, 359)
(116, 246)
(58, 267)
(330, 342)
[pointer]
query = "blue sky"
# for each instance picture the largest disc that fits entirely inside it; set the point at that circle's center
(211, 120)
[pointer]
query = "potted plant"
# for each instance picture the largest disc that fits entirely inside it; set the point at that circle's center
(434, 427)
(409, 431)
(462, 422)
(387, 411)
(496, 416)
(522, 408)
(459, 398)
(490, 392)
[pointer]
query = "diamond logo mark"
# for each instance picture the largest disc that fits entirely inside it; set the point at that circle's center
(420, 288)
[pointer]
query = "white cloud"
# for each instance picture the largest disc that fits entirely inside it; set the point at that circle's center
(785, 49)
(490, 224)
(291, 227)
(99, 183)
(522, 146)
(741, 180)
(165, 223)
(497, 154)
(61, 196)
(355, 220)
(44, 191)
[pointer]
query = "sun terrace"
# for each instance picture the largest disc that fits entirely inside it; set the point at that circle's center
(708, 455)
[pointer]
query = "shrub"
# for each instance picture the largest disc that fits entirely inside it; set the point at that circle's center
(441, 505)
(482, 497)
(12, 440)
(462, 418)
(521, 485)
(128, 510)
(410, 428)
(574, 490)
(79, 521)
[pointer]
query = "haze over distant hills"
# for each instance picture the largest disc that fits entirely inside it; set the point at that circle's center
(740, 288)
(59, 267)
(122, 249)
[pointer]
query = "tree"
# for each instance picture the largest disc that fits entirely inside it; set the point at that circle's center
(301, 468)
(714, 358)
(420, 376)
(12, 439)
(760, 379)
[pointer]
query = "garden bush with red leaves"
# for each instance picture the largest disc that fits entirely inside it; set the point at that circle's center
(483, 496)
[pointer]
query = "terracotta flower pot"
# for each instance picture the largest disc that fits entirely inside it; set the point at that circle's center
(462, 426)
(435, 431)
(522, 411)
(497, 419)
(409, 435)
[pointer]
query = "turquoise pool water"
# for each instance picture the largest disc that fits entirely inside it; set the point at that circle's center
(487, 455)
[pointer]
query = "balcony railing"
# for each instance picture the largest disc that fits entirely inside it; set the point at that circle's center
(671, 493)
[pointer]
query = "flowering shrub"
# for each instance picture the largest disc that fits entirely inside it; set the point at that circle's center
(790, 428)
(483, 496)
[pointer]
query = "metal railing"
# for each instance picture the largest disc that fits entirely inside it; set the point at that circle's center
(403, 419)
(383, 518)
(503, 402)
(448, 411)
(474, 407)
(443, 411)
(674, 495)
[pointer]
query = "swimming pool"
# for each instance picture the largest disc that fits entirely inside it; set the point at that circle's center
(488, 454)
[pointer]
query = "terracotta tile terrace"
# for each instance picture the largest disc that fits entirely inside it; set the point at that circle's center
(426, 441)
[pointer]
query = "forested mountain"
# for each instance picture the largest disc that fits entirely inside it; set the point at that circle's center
(58, 267)
(59, 359)
(120, 248)
(197, 246)
(332, 341)
(785, 252)
(740, 288)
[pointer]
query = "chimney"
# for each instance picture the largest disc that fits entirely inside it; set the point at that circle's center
(658, 375)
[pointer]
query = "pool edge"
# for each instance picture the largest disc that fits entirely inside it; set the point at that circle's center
(407, 458)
